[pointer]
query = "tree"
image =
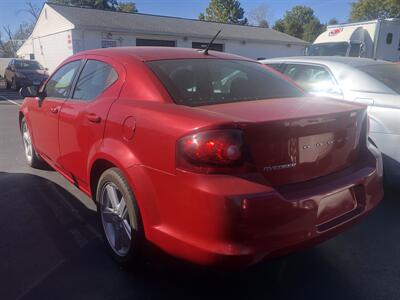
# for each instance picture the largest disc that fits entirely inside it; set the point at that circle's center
(300, 22)
(224, 11)
(127, 7)
(259, 16)
(365, 10)
(14, 39)
(333, 21)
(100, 4)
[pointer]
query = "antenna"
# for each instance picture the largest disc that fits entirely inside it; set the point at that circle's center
(211, 42)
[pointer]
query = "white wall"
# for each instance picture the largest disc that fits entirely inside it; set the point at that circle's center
(49, 22)
(85, 40)
(51, 50)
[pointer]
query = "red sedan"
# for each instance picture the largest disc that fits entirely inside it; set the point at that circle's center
(211, 157)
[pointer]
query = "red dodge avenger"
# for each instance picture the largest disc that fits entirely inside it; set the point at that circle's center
(211, 157)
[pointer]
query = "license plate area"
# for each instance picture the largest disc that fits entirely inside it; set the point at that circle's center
(340, 207)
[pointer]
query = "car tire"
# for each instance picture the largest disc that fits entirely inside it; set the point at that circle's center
(31, 156)
(122, 229)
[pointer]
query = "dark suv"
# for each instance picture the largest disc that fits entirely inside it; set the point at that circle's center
(21, 72)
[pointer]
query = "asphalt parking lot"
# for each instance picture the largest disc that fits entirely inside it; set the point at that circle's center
(50, 248)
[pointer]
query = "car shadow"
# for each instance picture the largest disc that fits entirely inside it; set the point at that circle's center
(51, 249)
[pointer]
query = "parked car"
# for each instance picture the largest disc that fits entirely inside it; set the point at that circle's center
(372, 82)
(213, 158)
(22, 72)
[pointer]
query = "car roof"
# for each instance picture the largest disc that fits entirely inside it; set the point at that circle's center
(328, 60)
(160, 53)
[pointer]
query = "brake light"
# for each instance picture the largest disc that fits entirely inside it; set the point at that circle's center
(212, 151)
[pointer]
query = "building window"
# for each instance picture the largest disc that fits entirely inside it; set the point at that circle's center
(215, 47)
(161, 43)
(108, 43)
(389, 38)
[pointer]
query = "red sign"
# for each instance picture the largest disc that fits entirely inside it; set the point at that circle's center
(335, 31)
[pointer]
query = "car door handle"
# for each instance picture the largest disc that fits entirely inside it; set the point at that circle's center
(93, 118)
(54, 110)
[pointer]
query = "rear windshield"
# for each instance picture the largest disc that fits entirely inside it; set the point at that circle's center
(388, 74)
(195, 82)
(27, 65)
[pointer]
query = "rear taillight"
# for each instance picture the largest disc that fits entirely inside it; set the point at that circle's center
(212, 151)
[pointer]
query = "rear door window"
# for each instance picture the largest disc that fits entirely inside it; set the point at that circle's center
(95, 78)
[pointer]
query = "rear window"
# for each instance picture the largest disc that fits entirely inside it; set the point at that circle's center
(388, 74)
(195, 82)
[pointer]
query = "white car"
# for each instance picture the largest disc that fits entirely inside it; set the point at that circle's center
(372, 82)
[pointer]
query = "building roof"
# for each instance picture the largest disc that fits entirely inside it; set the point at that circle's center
(96, 19)
(161, 53)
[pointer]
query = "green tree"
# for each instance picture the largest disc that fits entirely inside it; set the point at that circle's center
(300, 22)
(365, 10)
(100, 4)
(127, 7)
(225, 11)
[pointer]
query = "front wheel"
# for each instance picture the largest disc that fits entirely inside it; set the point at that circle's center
(32, 158)
(119, 216)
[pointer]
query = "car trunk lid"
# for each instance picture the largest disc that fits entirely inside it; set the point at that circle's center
(295, 140)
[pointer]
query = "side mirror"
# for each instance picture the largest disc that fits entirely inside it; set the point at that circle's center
(29, 91)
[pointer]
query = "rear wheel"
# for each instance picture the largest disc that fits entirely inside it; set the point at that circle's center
(119, 217)
(31, 156)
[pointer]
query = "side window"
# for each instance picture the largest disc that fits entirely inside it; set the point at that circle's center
(60, 83)
(95, 78)
(313, 79)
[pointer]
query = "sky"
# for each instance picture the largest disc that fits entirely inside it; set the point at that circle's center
(11, 11)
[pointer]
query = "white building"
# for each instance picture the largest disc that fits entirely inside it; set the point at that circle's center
(61, 31)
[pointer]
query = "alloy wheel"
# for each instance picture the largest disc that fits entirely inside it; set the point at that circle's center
(115, 219)
(26, 137)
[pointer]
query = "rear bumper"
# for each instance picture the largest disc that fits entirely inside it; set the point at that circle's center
(234, 222)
